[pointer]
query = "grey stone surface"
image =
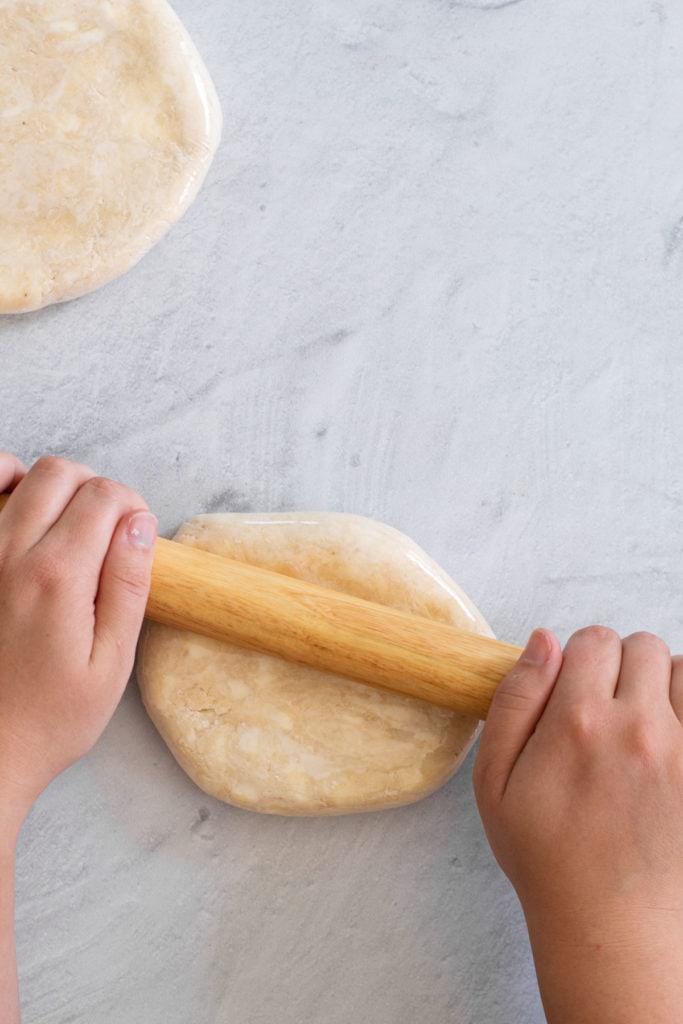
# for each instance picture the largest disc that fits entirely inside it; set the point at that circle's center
(434, 277)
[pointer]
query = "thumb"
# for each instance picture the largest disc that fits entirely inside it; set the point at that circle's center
(124, 586)
(517, 706)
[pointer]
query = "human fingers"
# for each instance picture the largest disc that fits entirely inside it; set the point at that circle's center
(590, 670)
(645, 676)
(676, 687)
(12, 470)
(38, 500)
(124, 587)
(515, 711)
(84, 530)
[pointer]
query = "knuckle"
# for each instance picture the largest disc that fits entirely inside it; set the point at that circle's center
(102, 489)
(48, 572)
(643, 742)
(643, 638)
(597, 635)
(53, 466)
(512, 694)
(133, 582)
(583, 725)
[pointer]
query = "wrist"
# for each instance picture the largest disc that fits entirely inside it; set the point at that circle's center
(609, 963)
(17, 795)
(9, 833)
(12, 816)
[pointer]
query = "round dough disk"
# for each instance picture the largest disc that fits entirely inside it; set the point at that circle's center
(109, 124)
(271, 736)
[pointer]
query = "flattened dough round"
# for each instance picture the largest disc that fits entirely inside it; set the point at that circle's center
(280, 738)
(109, 122)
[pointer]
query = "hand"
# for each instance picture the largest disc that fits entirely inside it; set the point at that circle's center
(579, 780)
(75, 559)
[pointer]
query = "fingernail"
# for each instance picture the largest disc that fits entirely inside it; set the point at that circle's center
(141, 530)
(537, 650)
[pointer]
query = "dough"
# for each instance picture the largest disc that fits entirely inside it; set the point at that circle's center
(271, 736)
(109, 122)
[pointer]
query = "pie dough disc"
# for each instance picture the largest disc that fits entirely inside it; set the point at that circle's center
(272, 736)
(109, 123)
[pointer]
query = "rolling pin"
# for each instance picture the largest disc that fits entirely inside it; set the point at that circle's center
(267, 611)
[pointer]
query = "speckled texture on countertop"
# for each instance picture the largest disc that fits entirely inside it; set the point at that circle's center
(435, 276)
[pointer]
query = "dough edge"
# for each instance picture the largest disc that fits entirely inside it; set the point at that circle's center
(193, 532)
(45, 283)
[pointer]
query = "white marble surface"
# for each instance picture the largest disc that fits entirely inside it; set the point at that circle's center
(435, 276)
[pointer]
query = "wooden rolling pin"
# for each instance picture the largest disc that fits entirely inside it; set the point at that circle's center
(277, 614)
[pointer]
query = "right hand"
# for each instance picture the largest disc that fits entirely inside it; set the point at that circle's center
(579, 781)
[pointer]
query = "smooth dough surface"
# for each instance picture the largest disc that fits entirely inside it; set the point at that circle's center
(109, 123)
(271, 736)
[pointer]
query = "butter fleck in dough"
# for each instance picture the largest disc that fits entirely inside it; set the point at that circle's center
(109, 122)
(271, 736)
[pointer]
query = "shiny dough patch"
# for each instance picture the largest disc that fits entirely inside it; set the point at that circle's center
(271, 736)
(109, 122)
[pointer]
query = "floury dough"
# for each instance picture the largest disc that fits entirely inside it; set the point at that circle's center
(271, 736)
(109, 122)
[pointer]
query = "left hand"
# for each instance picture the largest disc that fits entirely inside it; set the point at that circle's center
(75, 561)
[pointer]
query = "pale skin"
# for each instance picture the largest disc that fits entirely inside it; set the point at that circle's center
(579, 774)
(75, 562)
(579, 780)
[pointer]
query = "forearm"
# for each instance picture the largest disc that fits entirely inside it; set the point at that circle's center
(9, 992)
(603, 974)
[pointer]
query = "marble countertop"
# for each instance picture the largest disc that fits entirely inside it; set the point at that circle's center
(435, 276)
